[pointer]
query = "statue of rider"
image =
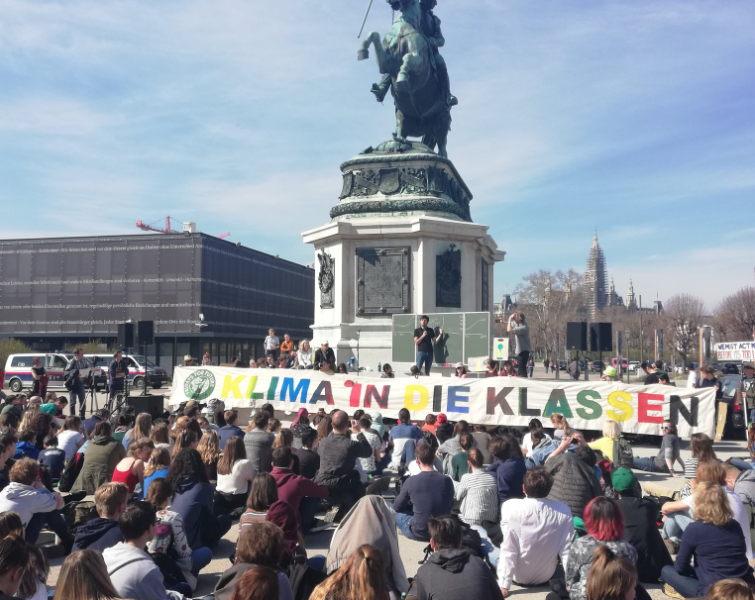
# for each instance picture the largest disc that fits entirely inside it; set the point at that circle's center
(430, 28)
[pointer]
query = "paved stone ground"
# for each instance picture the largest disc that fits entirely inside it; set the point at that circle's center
(412, 551)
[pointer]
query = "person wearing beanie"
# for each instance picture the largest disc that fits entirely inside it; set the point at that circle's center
(640, 526)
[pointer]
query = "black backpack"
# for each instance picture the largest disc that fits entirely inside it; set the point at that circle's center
(622, 454)
(71, 472)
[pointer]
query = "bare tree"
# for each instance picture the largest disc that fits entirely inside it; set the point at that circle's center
(734, 318)
(549, 299)
(682, 317)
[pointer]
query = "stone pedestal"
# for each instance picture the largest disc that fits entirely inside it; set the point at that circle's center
(401, 241)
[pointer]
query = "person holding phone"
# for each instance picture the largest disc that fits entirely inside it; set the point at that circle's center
(424, 338)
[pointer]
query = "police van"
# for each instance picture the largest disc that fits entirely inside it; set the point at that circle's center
(17, 375)
(140, 369)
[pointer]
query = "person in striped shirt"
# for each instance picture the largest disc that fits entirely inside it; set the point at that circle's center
(477, 492)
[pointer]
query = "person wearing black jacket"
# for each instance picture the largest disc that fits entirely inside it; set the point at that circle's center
(118, 372)
(338, 455)
(451, 571)
(74, 383)
(640, 528)
(325, 354)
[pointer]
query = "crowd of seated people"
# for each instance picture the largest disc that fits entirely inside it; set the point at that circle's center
(139, 515)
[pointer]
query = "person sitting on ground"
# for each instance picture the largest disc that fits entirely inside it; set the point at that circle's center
(53, 457)
(259, 545)
(606, 444)
(98, 417)
(527, 444)
(369, 522)
(37, 507)
(679, 514)
(701, 447)
(561, 427)
(209, 450)
(231, 428)
(7, 449)
(611, 577)
(508, 467)
(667, 456)
(159, 434)
(491, 368)
(640, 528)
(309, 460)
(338, 455)
(402, 434)
(374, 464)
(605, 527)
(187, 439)
(300, 426)
(33, 584)
(133, 572)
(84, 577)
(460, 462)
(26, 446)
(430, 423)
(536, 532)
(387, 372)
(56, 407)
(452, 572)
(142, 429)
(452, 446)
(285, 438)
(478, 493)
(123, 424)
(102, 454)
(444, 430)
(507, 369)
(742, 483)
(259, 443)
(425, 495)
(70, 438)
(542, 448)
(262, 496)
(298, 492)
(130, 470)
(170, 538)
(574, 480)
(715, 542)
(14, 560)
(97, 534)
(158, 465)
(235, 475)
(362, 576)
(193, 500)
(482, 443)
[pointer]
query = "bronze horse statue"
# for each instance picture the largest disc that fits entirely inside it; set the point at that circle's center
(409, 59)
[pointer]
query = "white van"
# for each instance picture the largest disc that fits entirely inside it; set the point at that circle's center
(17, 375)
(139, 369)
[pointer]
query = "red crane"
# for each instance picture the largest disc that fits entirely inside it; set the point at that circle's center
(166, 229)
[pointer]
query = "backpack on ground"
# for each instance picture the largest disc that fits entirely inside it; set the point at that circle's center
(622, 454)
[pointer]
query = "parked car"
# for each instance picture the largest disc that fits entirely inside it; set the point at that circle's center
(730, 369)
(633, 366)
(562, 365)
(140, 369)
(735, 416)
(596, 366)
(17, 374)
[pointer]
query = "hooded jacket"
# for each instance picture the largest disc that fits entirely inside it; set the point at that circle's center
(292, 488)
(377, 424)
(135, 575)
(103, 453)
(194, 502)
(744, 487)
(26, 501)
(97, 534)
(454, 573)
(574, 482)
(230, 578)
(259, 449)
(509, 476)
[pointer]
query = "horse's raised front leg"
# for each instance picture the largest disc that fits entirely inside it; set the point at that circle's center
(383, 60)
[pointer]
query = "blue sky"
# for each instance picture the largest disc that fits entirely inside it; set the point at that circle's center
(636, 118)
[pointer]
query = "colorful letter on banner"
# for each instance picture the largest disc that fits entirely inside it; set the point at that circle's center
(489, 401)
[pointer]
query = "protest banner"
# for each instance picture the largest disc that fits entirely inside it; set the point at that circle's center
(744, 351)
(514, 401)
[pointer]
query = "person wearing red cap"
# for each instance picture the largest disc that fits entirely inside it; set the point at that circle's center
(444, 430)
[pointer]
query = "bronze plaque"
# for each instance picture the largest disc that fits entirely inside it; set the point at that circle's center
(383, 281)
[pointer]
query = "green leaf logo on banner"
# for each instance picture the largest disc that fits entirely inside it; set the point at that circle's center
(199, 385)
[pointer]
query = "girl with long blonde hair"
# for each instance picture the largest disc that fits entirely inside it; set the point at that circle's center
(361, 576)
(84, 577)
(209, 450)
(561, 426)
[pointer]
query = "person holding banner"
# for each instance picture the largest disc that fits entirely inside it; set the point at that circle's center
(424, 338)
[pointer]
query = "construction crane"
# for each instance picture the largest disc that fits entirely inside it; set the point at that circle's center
(166, 229)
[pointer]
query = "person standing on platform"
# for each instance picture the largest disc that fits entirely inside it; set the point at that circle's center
(424, 338)
(272, 345)
(521, 332)
(74, 382)
(118, 372)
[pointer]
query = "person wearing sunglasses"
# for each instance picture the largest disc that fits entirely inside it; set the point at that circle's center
(667, 456)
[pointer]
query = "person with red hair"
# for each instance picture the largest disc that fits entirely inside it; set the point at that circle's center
(604, 523)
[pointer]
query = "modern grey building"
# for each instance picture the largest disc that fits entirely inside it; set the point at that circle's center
(204, 294)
